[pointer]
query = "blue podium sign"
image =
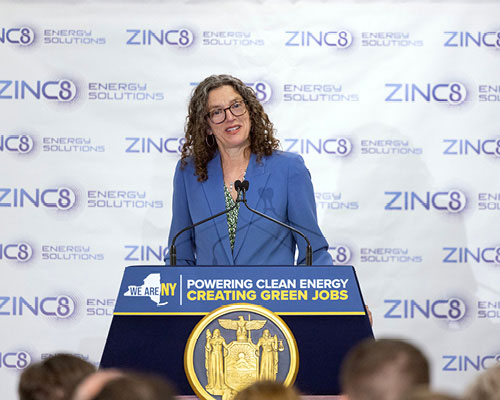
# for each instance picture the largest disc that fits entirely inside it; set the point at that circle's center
(199, 290)
(159, 309)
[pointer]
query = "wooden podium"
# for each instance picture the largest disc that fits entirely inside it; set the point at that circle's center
(158, 307)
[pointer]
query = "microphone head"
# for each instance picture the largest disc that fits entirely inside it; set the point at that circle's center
(237, 185)
(245, 184)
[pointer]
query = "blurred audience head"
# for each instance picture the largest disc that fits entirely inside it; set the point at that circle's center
(93, 384)
(136, 386)
(486, 386)
(425, 393)
(267, 390)
(53, 378)
(383, 369)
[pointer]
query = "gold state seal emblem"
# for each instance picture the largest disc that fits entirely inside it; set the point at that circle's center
(218, 366)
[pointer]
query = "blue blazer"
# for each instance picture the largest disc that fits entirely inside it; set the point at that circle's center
(280, 186)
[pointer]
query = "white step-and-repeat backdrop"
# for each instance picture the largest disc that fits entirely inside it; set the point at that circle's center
(393, 105)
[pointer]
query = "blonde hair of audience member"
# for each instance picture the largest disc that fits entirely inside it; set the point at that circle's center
(93, 384)
(486, 386)
(383, 370)
(136, 386)
(53, 378)
(268, 390)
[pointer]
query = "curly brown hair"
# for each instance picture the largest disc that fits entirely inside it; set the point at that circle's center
(262, 140)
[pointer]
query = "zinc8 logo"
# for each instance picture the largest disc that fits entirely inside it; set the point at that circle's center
(472, 39)
(22, 36)
(341, 254)
(22, 144)
(62, 198)
(14, 359)
(263, 91)
(63, 90)
(20, 252)
(453, 201)
(490, 147)
(472, 255)
(454, 93)
(61, 307)
(165, 37)
(470, 362)
(339, 146)
(343, 146)
(452, 309)
(340, 39)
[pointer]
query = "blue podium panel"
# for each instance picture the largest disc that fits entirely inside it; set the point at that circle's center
(158, 307)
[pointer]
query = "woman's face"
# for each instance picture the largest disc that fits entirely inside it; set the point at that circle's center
(234, 132)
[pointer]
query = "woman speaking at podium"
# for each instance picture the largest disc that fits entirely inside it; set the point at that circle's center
(229, 137)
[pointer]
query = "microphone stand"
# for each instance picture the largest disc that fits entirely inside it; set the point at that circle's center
(173, 250)
(243, 187)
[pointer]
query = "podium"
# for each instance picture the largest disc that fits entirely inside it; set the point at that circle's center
(158, 307)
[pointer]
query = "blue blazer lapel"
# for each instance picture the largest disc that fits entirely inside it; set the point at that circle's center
(214, 194)
(258, 178)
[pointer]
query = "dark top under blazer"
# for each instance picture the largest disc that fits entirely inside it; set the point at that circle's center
(280, 186)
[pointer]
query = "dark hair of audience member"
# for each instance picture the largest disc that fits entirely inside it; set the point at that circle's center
(267, 390)
(136, 386)
(53, 378)
(486, 386)
(383, 370)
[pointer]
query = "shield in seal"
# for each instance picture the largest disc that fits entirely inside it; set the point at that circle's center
(241, 366)
(236, 345)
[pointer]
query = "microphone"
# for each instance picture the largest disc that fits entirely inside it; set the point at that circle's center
(173, 251)
(243, 187)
